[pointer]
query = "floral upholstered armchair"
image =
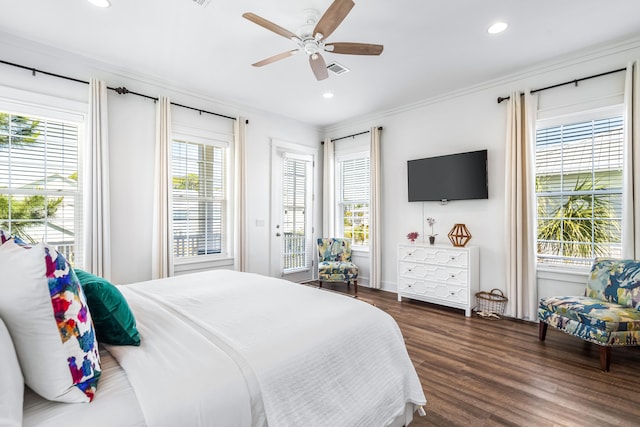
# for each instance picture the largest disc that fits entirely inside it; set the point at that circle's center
(609, 313)
(334, 262)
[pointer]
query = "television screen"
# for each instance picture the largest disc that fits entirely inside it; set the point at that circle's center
(452, 177)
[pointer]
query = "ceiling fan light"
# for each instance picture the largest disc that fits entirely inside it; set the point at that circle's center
(327, 95)
(498, 27)
(100, 3)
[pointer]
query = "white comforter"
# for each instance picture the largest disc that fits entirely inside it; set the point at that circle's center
(236, 349)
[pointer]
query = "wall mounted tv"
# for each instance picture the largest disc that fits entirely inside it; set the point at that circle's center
(459, 176)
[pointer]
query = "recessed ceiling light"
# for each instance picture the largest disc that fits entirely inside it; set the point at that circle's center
(498, 27)
(100, 3)
(327, 95)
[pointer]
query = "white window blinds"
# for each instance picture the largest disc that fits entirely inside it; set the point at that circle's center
(294, 197)
(579, 191)
(40, 199)
(354, 182)
(199, 199)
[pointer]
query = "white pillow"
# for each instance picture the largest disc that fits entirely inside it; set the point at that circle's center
(12, 384)
(47, 316)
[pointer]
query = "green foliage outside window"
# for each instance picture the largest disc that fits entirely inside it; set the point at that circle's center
(24, 211)
(583, 226)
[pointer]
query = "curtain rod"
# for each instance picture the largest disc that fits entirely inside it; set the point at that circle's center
(575, 82)
(350, 136)
(120, 90)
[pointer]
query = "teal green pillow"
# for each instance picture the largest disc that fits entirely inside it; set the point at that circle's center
(112, 318)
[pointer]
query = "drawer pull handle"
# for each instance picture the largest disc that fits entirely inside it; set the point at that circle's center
(452, 275)
(409, 270)
(452, 258)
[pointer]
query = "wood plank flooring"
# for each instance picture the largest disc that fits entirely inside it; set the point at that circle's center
(480, 372)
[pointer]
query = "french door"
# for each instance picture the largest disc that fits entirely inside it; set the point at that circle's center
(292, 213)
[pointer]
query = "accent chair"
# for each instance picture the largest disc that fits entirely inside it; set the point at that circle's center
(609, 313)
(334, 262)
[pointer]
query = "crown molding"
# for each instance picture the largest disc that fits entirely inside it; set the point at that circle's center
(580, 57)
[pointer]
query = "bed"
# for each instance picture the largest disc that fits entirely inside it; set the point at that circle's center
(224, 348)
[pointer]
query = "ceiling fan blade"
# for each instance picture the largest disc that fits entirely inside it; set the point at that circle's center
(354, 48)
(334, 15)
(275, 58)
(269, 25)
(318, 66)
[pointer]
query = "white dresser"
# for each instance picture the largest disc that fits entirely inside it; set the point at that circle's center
(440, 274)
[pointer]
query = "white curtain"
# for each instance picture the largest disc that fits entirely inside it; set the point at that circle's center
(630, 209)
(374, 210)
(162, 240)
(241, 255)
(328, 189)
(520, 215)
(97, 231)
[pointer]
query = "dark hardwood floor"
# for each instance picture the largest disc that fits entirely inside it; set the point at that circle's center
(480, 372)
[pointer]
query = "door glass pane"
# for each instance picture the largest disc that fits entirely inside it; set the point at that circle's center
(294, 197)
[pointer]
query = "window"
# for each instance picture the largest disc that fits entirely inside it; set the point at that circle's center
(353, 198)
(199, 175)
(296, 179)
(40, 197)
(579, 190)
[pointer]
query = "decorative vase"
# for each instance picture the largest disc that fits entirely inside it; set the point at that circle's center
(432, 240)
(459, 235)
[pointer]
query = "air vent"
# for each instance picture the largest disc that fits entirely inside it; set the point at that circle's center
(203, 3)
(337, 69)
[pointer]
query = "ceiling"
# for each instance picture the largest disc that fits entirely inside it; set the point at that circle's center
(430, 47)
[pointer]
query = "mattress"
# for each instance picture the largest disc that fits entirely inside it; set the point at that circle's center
(115, 392)
(223, 348)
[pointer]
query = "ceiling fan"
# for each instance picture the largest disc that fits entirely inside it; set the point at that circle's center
(314, 43)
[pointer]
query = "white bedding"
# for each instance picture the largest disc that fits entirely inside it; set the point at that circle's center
(223, 348)
(114, 392)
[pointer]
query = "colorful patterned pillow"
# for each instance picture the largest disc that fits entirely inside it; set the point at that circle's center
(46, 313)
(112, 318)
(615, 280)
(11, 382)
(4, 236)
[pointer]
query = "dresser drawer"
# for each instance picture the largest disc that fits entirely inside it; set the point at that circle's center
(433, 290)
(433, 272)
(433, 255)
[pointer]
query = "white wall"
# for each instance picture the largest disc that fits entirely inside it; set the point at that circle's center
(132, 138)
(468, 119)
(471, 119)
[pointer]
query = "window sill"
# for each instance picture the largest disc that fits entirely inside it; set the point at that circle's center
(201, 259)
(577, 274)
(194, 264)
(296, 270)
(360, 251)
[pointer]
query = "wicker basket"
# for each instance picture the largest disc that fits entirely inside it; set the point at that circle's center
(491, 304)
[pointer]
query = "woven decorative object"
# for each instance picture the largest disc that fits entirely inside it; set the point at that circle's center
(490, 304)
(459, 235)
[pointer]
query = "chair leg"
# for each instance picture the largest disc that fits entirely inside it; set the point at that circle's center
(605, 357)
(319, 283)
(355, 285)
(542, 330)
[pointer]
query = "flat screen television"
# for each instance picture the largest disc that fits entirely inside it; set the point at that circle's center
(458, 176)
